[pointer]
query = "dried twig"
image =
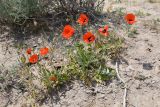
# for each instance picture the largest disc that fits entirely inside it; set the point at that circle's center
(101, 2)
(125, 86)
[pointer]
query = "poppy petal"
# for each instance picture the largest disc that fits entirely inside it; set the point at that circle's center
(33, 59)
(104, 31)
(29, 50)
(83, 19)
(68, 32)
(52, 78)
(44, 51)
(130, 18)
(88, 37)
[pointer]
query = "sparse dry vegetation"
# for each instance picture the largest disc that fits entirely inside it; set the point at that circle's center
(73, 52)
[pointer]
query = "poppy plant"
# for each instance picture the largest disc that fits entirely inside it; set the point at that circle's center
(130, 18)
(52, 78)
(44, 51)
(83, 19)
(104, 31)
(88, 37)
(33, 59)
(68, 31)
(29, 50)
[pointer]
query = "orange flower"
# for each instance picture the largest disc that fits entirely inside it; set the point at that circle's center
(29, 50)
(104, 31)
(53, 78)
(88, 37)
(130, 18)
(33, 59)
(83, 19)
(44, 51)
(68, 31)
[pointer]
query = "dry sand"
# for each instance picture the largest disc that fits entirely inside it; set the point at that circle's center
(140, 68)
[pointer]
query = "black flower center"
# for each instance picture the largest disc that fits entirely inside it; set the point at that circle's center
(84, 20)
(90, 38)
(104, 31)
(130, 19)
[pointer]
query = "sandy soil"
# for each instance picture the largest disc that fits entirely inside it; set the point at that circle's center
(140, 68)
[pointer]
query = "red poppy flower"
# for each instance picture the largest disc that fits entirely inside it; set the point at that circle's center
(88, 37)
(104, 31)
(53, 78)
(44, 51)
(33, 59)
(29, 50)
(83, 19)
(68, 31)
(130, 18)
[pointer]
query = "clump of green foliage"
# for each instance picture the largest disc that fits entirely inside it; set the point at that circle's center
(19, 10)
(89, 64)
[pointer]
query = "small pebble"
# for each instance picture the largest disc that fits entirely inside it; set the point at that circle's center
(147, 66)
